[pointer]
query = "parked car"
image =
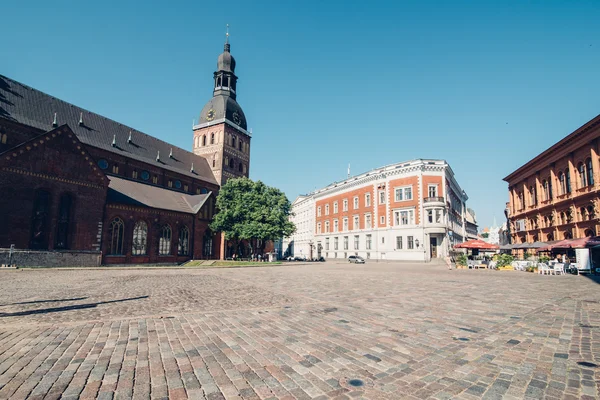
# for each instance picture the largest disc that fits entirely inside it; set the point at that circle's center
(299, 258)
(356, 259)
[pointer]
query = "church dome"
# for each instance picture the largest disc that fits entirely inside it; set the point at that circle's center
(220, 107)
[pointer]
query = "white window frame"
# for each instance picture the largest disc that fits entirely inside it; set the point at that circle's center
(345, 205)
(400, 193)
(432, 186)
(411, 215)
(319, 211)
(336, 242)
(356, 222)
(368, 221)
(368, 242)
(326, 243)
(335, 207)
(381, 196)
(326, 209)
(326, 226)
(345, 242)
(335, 225)
(356, 242)
(367, 199)
(382, 220)
(345, 224)
(399, 242)
(318, 228)
(356, 204)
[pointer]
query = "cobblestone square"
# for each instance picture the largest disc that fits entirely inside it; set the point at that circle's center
(313, 331)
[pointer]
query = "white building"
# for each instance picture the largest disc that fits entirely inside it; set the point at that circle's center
(299, 244)
(413, 210)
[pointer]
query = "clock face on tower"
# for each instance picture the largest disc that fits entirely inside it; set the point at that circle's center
(210, 115)
(236, 118)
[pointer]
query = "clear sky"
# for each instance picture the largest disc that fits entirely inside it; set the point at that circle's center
(486, 85)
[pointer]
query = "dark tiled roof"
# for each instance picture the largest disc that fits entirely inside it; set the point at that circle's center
(28, 106)
(124, 191)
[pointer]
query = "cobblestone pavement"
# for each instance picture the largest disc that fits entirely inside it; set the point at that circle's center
(298, 332)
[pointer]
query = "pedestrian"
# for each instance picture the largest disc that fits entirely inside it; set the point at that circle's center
(448, 261)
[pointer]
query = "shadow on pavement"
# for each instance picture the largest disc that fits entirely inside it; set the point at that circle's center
(67, 308)
(43, 301)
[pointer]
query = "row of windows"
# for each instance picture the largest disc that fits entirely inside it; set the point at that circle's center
(585, 175)
(400, 218)
(400, 194)
(145, 176)
(230, 162)
(139, 242)
(410, 245)
(564, 217)
(201, 140)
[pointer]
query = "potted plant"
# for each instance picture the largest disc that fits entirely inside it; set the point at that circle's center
(504, 262)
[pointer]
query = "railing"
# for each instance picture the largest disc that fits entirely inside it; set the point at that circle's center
(434, 199)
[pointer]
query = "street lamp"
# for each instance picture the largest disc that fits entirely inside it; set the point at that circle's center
(417, 243)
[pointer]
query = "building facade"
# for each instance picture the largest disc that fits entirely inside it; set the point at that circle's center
(471, 225)
(408, 211)
(73, 180)
(555, 195)
(301, 243)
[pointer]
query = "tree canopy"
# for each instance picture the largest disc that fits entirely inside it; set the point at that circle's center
(252, 210)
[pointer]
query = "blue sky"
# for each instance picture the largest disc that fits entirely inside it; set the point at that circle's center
(485, 85)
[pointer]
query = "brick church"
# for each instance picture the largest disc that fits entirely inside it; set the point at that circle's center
(75, 181)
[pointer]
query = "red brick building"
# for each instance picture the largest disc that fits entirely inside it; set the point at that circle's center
(73, 180)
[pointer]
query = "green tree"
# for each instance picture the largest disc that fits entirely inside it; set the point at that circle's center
(248, 210)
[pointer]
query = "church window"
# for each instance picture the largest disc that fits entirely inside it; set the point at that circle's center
(231, 163)
(589, 172)
(115, 169)
(241, 144)
(177, 184)
(170, 183)
(164, 243)
(245, 170)
(568, 180)
(183, 248)
(226, 160)
(214, 162)
(240, 167)
(233, 142)
(185, 188)
(103, 164)
(117, 229)
(140, 238)
(4, 138)
(145, 175)
(64, 218)
(203, 140)
(212, 138)
(197, 190)
(134, 174)
(155, 179)
(39, 224)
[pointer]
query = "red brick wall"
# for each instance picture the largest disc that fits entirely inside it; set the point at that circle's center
(401, 182)
(362, 209)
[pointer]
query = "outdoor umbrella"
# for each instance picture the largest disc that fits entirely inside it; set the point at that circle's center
(476, 244)
(534, 245)
(580, 243)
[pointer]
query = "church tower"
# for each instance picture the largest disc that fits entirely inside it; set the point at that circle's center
(221, 134)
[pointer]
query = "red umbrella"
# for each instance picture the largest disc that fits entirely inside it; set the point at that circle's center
(476, 244)
(580, 243)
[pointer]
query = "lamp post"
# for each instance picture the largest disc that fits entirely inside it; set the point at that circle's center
(310, 244)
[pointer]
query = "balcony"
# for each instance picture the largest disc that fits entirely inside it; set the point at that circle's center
(434, 202)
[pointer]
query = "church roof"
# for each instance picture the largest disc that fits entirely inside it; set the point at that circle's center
(28, 106)
(124, 191)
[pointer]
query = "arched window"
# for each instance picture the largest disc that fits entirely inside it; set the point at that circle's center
(3, 138)
(183, 248)
(64, 218)
(583, 213)
(212, 138)
(589, 171)
(39, 225)
(214, 162)
(589, 233)
(550, 237)
(203, 140)
(568, 180)
(582, 179)
(140, 239)
(233, 142)
(240, 145)
(240, 167)
(116, 230)
(563, 184)
(562, 218)
(533, 195)
(545, 186)
(231, 163)
(591, 214)
(164, 243)
(568, 235)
